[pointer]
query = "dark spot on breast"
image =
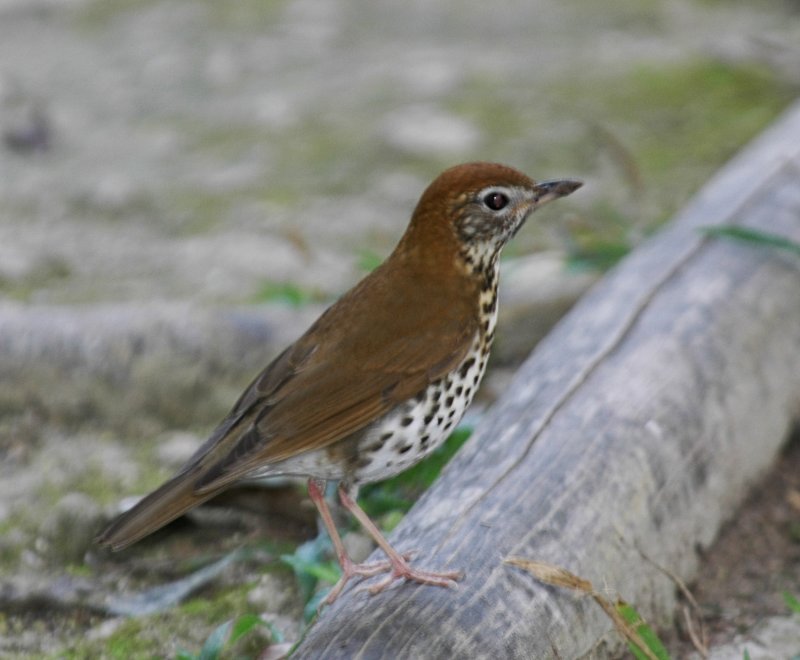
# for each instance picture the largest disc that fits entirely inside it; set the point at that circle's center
(428, 419)
(451, 414)
(466, 367)
(459, 390)
(486, 327)
(406, 421)
(437, 394)
(440, 418)
(449, 401)
(363, 462)
(420, 396)
(404, 449)
(488, 278)
(423, 441)
(386, 436)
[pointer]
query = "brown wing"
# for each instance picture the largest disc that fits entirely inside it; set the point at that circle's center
(339, 377)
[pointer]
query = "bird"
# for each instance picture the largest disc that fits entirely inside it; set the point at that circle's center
(379, 380)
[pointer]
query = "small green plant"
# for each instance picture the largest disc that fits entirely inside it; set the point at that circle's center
(288, 293)
(792, 602)
(753, 236)
(369, 260)
(597, 254)
(229, 633)
(653, 646)
(310, 564)
(601, 238)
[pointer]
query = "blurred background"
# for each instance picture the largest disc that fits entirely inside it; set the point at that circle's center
(159, 154)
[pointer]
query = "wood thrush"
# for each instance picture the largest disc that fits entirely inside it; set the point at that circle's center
(380, 379)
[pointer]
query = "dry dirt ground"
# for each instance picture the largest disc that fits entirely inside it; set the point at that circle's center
(743, 575)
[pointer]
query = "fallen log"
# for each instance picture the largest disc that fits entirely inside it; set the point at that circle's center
(622, 445)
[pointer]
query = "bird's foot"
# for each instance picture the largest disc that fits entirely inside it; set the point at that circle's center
(402, 570)
(366, 569)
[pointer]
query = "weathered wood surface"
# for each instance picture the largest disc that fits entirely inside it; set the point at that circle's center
(635, 428)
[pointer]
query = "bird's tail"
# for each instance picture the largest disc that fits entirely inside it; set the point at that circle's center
(160, 507)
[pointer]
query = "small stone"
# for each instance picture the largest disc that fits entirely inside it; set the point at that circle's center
(358, 546)
(272, 593)
(105, 629)
(775, 637)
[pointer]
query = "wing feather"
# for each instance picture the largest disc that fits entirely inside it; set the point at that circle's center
(331, 384)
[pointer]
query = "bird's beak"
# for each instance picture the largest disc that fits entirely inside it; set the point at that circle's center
(547, 191)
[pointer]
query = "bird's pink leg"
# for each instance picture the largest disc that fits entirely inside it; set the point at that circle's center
(399, 563)
(316, 491)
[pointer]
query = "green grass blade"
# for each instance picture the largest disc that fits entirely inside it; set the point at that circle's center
(647, 634)
(753, 236)
(243, 625)
(216, 642)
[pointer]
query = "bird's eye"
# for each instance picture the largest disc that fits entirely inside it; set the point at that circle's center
(495, 201)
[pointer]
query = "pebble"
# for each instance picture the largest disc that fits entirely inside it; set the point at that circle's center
(272, 593)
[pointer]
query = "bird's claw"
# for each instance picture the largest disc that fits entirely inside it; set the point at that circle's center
(365, 570)
(399, 571)
(447, 579)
